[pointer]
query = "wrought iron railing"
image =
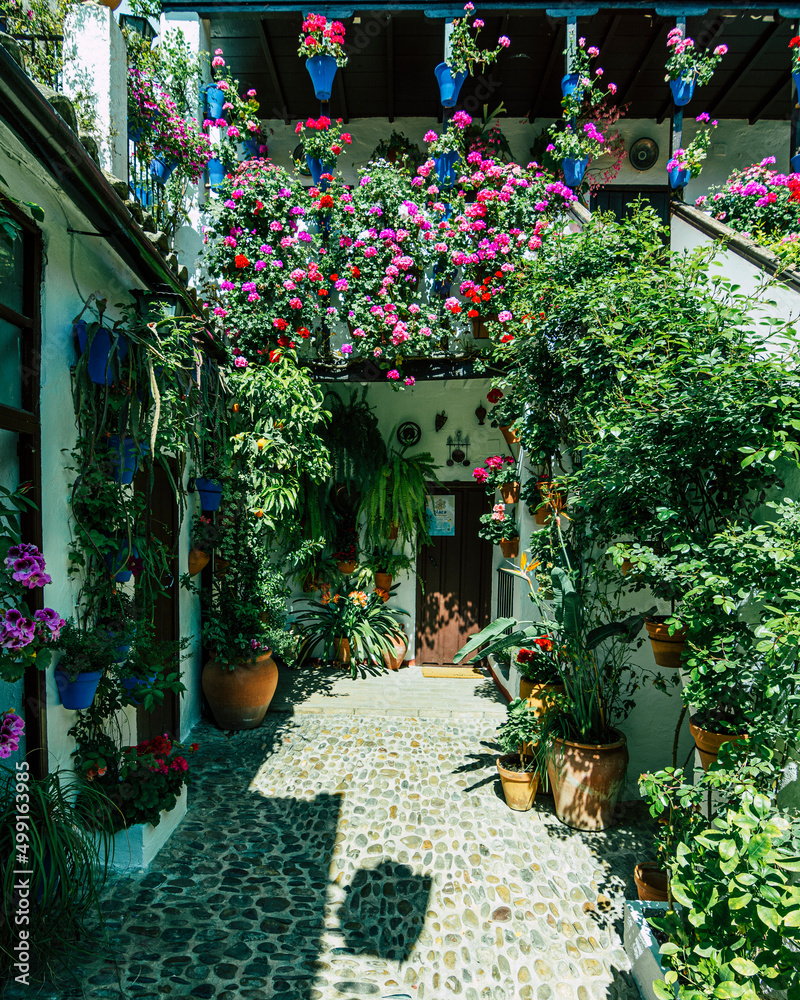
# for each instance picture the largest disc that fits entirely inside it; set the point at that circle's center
(44, 58)
(505, 595)
(149, 192)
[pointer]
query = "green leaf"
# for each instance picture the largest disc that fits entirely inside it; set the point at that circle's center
(727, 849)
(669, 948)
(769, 916)
(744, 966)
(728, 991)
(662, 991)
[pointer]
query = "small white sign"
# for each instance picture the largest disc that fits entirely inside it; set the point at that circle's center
(441, 515)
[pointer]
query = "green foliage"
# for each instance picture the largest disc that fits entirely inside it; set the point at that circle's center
(386, 559)
(83, 649)
(521, 727)
(396, 496)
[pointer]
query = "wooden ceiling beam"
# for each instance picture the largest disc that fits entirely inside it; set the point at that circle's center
(266, 48)
(556, 52)
(648, 52)
(737, 74)
(771, 95)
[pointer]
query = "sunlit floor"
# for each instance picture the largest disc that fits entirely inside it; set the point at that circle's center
(333, 857)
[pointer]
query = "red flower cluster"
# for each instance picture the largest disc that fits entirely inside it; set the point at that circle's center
(494, 395)
(543, 644)
(241, 261)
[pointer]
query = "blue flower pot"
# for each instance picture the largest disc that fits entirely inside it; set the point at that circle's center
(569, 84)
(134, 134)
(794, 163)
(161, 170)
(215, 98)
(131, 684)
(574, 171)
(679, 178)
(322, 70)
(209, 491)
(216, 173)
(682, 90)
(318, 168)
(78, 694)
(796, 81)
(252, 147)
(446, 167)
(449, 85)
(117, 562)
(123, 457)
(99, 369)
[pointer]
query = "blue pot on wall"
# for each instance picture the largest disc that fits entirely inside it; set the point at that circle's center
(679, 178)
(123, 457)
(99, 369)
(322, 70)
(574, 170)
(569, 84)
(796, 81)
(209, 491)
(215, 98)
(118, 562)
(131, 684)
(318, 168)
(252, 147)
(216, 173)
(449, 85)
(77, 695)
(161, 170)
(794, 163)
(446, 167)
(682, 90)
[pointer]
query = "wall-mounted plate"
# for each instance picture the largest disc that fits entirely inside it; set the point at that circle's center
(644, 154)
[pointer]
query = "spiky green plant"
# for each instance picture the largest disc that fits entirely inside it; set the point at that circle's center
(397, 496)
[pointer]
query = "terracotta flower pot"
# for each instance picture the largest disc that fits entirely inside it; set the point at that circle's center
(651, 882)
(511, 436)
(198, 560)
(221, 566)
(383, 581)
(519, 787)
(341, 651)
(394, 660)
(346, 568)
(587, 781)
(540, 696)
(667, 649)
(239, 698)
(509, 492)
(708, 743)
(393, 531)
(543, 514)
(509, 547)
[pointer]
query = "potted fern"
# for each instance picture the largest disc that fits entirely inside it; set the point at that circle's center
(395, 498)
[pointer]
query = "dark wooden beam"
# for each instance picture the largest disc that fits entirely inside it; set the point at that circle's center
(610, 31)
(283, 110)
(390, 66)
(556, 54)
(783, 82)
(664, 110)
(640, 65)
(738, 74)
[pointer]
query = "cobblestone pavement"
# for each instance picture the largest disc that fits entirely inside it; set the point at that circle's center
(333, 858)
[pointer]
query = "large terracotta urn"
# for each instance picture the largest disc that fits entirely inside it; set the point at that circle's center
(239, 698)
(587, 781)
(394, 660)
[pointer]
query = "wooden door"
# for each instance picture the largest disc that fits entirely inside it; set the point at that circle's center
(456, 573)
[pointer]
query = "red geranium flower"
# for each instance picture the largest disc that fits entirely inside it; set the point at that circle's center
(241, 261)
(494, 395)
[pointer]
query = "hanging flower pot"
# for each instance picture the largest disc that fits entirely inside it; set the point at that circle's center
(679, 178)
(519, 787)
(394, 660)
(77, 695)
(509, 547)
(214, 99)
(198, 560)
(511, 435)
(446, 167)
(509, 492)
(239, 697)
(569, 85)
(216, 173)
(667, 649)
(587, 780)
(322, 70)
(794, 162)
(209, 491)
(318, 168)
(708, 742)
(449, 85)
(123, 458)
(574, 170)
(253, 147)
(119, 563)
(682, 90)
(98, 365)
(161, 170)
(131, 684)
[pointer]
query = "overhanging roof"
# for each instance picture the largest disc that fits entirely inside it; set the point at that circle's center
(393, 51)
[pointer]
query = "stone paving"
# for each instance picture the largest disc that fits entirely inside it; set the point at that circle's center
(331, 858)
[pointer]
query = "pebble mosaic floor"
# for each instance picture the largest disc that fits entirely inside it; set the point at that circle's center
(331, 858)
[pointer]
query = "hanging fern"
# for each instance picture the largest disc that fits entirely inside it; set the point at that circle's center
(397, 496)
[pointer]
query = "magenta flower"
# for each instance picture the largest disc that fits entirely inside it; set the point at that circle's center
(504, 40)
(393, 374)
(241, 362)
(410, 380)
(347, 348)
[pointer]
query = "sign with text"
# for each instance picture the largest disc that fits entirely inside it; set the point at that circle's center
(441, 514)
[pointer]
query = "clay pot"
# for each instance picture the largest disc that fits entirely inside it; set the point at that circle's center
(651, 882)
(198, 560)
(221, 566)
(543, 514)
(519, 787)
(393, 531)
(512, 437)
(346, 568)
(540, 696)
(394, 660)
(667, 649)
(341, 651)
(383, 581)
(239, 698)
(509, 547)
(509, 492)
(708, 743)
(587, 781)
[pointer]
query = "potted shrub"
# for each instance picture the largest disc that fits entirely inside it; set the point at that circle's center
(352, 628)
(205, 536)
(518, 737)
(386, 563)
(498, 472)
(87, 655)
(500, 529)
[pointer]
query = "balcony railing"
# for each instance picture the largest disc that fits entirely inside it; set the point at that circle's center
(43, 58)
(149, 192)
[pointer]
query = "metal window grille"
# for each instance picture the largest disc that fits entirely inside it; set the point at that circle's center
(505, 595)
(144, 187)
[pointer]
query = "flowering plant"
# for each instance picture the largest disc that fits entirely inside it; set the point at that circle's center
(25, 637)
(323, 138)
(692, 157)
(540, 662)
(321, 37)
(578, 142)
(587, 94)
(11, 728)
(498, 526)
(205, 534)
(241, 123)
(452, 138)
(686, 62)
(495, 471)
(465, 53)
(794, 45)
(757, 200)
